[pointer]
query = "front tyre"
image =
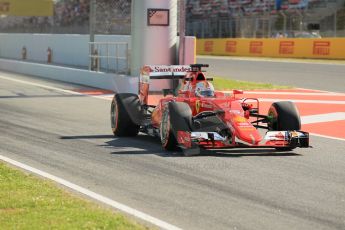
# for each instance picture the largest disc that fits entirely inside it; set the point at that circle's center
(125, 115)
(167, 136)
(177, 116)
(284, 116)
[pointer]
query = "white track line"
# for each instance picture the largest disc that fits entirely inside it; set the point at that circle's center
(311, 119)
(103, 96)
(328, 137)
(304, 101)
(290, 93)
(267, 59)
(124, 208)
(40, 85)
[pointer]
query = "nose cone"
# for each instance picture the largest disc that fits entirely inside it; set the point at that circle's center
(245, 130)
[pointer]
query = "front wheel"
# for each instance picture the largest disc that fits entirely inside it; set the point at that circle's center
(177, 116)
(284, 116)
(168, 138)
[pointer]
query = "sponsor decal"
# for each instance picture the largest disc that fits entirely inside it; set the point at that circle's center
(208, 46)
(165, 69)
(244, 124)
(184, 138)
(297, 134)
(255, 47)
(230, 46)
(239, 119)
(321, 48)
(286, 47)
(247, 128)
(206, 105)
(197, 105)
(158, 17)
(276, 136)
(294, 134)
(225, 104)
(27, 7)
(280, 135)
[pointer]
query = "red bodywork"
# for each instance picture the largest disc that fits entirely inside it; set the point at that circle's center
(235, 115)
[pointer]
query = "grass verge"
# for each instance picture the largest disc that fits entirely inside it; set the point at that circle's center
(27, 202)
(228, 84)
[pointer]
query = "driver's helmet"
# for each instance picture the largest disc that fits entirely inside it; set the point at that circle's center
(204, 89)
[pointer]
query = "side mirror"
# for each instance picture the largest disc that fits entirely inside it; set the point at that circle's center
(236, 91)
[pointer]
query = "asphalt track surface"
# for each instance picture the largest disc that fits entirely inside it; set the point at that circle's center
(69, 136)
(318, 75)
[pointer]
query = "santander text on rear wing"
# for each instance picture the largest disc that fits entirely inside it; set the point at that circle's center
(148, 72)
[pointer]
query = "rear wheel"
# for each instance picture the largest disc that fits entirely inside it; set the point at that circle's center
(284, 116)
(125, 114)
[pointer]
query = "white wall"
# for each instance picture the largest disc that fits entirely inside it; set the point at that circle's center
(116, 83)
(68, 49)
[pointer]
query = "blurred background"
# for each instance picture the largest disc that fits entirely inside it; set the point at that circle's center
(204, 18)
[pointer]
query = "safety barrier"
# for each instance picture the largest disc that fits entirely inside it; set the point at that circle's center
(320, 48)
(62, 49)
(110, 81)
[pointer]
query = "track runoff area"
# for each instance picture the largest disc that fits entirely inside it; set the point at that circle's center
(322, 113)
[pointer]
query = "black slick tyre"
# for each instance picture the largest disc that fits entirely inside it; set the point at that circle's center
(177, 116)
(284, 116)
(167, 136)
(125, 115)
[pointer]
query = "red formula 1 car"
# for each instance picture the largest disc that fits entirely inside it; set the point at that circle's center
(194, 116)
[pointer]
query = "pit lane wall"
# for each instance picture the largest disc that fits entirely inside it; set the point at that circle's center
(67, 49)
(109, 81)
(322, 48)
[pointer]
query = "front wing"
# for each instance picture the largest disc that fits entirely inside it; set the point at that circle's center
(272, 139)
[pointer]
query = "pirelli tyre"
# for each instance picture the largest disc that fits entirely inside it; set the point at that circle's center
(177, 116)
(284, 116)
(125, 114)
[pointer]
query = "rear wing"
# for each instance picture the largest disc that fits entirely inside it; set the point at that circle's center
(156, 72)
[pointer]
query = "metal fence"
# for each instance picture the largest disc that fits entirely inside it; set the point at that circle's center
(108, 57)
(113, 16)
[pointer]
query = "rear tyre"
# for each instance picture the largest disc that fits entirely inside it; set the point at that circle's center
(177, 116)
(125, 115)
(284, 116)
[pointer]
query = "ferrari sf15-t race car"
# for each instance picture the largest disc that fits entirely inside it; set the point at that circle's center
(192, 115)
